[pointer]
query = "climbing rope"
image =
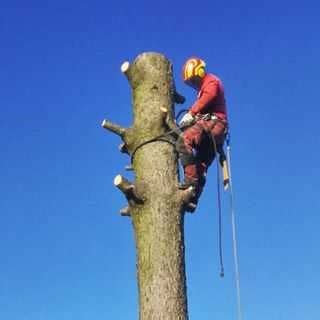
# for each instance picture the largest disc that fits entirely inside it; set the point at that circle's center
(215, 149)
(220, 222)
(234, 233)
(233, 223)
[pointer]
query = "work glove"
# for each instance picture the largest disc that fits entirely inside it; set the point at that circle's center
(186, 120)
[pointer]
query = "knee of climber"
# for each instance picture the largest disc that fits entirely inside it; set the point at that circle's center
(191, 173)
(218, 132)
(183, 146)
(192, 137)
(186, 156)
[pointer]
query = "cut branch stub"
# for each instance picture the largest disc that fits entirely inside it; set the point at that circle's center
(123, 184)
(169, 123)
(115, 128)
(125, 212)
(164, 113)
(132, 73)
(126, 70)
(128, 189)
(125, 67)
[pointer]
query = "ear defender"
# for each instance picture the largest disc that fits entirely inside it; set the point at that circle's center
(201, 72)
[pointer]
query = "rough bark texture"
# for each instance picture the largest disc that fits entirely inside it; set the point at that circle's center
(156, 205)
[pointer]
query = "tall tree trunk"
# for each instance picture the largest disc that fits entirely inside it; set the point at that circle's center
(156, 205)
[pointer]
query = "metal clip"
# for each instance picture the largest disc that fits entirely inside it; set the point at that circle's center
(213, 117)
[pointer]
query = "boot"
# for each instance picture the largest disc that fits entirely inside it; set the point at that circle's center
(191, 207)
(187, 183)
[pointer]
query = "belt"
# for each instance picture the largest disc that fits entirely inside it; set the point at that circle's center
(210, 116)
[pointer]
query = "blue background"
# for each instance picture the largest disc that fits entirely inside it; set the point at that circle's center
(65, 251)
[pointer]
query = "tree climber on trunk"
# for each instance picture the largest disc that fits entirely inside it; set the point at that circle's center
(206, 125)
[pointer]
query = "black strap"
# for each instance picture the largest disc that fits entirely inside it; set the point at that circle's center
(156, 139)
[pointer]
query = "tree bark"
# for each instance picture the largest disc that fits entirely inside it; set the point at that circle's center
(155, 203)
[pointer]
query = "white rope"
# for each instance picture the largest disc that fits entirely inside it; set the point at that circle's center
(234, 239)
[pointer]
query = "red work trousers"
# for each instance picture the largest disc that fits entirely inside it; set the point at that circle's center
(201, 141)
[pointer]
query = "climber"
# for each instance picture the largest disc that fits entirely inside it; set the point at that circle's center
(206, 125)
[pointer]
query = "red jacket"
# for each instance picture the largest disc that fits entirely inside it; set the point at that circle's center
(210, 97)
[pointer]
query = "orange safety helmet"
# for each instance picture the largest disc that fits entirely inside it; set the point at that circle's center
(193, 67)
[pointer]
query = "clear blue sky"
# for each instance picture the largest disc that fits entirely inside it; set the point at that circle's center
(65, 251)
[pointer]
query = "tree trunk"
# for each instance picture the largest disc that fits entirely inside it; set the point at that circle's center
(156, 205)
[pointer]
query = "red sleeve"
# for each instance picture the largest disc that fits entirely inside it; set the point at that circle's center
(209, 93)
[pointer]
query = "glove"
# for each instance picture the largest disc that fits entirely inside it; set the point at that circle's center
(186, 120)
